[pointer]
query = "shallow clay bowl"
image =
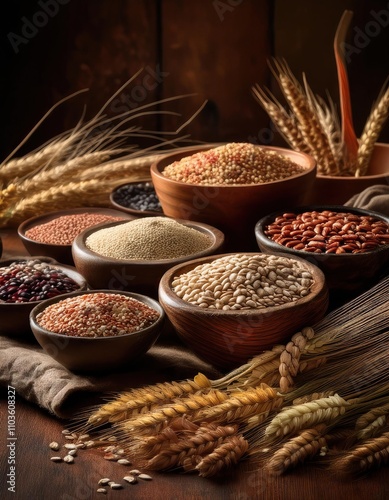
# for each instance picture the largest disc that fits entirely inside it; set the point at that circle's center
(227, 339)
(345, 273)
(115, 202)
(97, 354)
(141, 276)
(15, 316)
(337, 190)
(61, 253)
(233, 209)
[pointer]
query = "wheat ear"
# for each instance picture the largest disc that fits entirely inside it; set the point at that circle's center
(122, 406)
(368, 423)
(297, 450)
(294, 418)
(371, 132)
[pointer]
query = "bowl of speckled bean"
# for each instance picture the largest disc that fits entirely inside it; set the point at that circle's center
(232, 185)
(28, 281)
(136, 198)
(230, 307)
(350, 245)
(133, 255)
(52, 234)
(97, 330)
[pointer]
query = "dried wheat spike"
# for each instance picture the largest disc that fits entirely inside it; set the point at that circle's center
(239, 406)
(312, 397)
(290, 357)
(297, 450)
(122, 407)
(371, 132)
(368, 424)
(371, 454)
(227, 454)
(293, 418)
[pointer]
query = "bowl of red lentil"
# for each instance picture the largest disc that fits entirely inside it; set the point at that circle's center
(231, 186)
(97, 330)
(350, 245)
(52, 234)
(26, 282)
(133, 255)
(230, 307)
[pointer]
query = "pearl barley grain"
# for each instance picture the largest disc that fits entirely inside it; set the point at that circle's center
(151, 238)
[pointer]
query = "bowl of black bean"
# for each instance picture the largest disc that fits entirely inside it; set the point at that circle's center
(350, 245)
(136, 198)
(97, 330)
(26, 282)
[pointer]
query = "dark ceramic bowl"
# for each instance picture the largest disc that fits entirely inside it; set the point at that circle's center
(97, 354)
(61, 253)
(117, 202)
(141, 276)
(233, 209)
(347, 273)
(227, 339)
(15, 316)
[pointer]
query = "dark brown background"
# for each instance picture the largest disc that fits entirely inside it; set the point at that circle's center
(216, 50)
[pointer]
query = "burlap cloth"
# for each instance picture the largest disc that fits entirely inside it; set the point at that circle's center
(42, 381)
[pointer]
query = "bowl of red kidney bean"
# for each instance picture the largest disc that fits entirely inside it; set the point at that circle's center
(53, 233)
(350, 245)
(26, 282)
(97, 330)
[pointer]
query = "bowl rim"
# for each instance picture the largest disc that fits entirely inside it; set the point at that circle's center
(167, 294)
(156, 168)
(129, 210)
(81, 281)
(217, 234)
(260, 234)
(49, 216)
(145, 299)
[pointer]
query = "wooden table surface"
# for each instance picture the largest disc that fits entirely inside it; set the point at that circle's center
(36, 477)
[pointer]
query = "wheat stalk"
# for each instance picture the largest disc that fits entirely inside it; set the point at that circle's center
(371, 132)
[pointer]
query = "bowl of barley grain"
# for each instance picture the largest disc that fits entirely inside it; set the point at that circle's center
(231, 186)
(350, 245)
(133, 255)
(229, 307)
(52, 234)
(97, 330)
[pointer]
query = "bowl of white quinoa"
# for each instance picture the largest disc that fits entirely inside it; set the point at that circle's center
(97, 330)
(134, 255)
(230, 307)
(230, 186)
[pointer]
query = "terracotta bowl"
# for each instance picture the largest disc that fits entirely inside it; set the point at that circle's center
(100, 353)
(337, 190)
(227, 339)
(345, 273)
(15, 316)
(61, 253)
(233, 209)
(141, 276)
(115, 201)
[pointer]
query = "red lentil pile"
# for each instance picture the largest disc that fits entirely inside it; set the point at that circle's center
(64, 229)
(232, 164)
(32, 280)
(329, 232)
(97, 314)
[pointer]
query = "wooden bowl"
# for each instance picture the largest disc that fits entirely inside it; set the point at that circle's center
(61, 253)
(15, 316)
(99, 354)
(227, 339)
(337, 190)
(345, 273)
(115, 201)
(233, 209)
(141, 276)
